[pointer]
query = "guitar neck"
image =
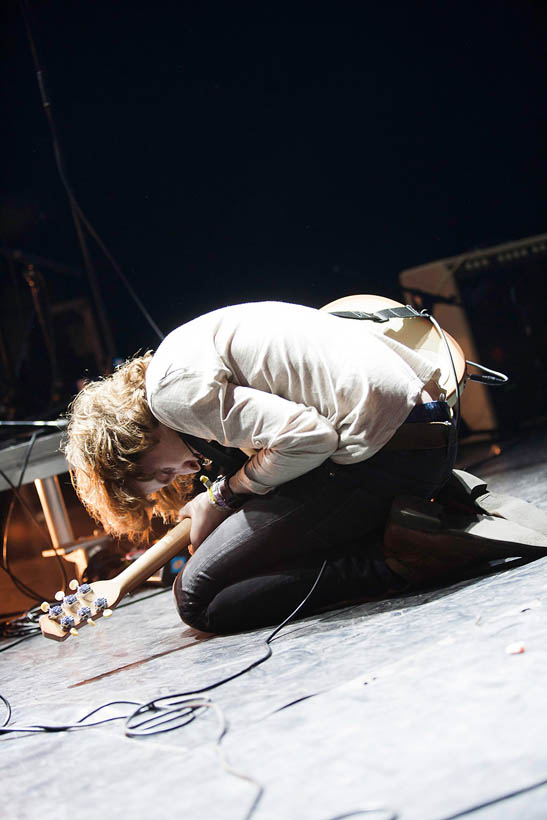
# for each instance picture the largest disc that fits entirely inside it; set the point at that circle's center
(163, 550)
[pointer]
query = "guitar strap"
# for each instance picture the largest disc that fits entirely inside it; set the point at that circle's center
(227, 459)
(381, 316)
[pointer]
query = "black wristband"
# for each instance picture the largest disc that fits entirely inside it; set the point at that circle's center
(224, 496)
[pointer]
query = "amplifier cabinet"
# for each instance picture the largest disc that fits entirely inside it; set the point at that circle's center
(493, 302)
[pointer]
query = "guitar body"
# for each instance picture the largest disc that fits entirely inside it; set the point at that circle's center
(416, 333)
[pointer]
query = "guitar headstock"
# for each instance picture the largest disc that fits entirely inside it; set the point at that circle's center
(84, 604)
(87, 602)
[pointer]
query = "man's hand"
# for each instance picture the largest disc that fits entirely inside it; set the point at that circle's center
(205, 518)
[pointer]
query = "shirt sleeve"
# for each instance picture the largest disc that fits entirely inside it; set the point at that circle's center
(290, 438)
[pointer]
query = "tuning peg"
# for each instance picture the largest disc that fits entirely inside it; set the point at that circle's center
(73, 584)
(73, 631)
(84, 590)
(67, 622)
(59, 595)
(91, 622)
(84, 613)
(107, 613)
(55, 612)
(70, 601)
(100, 604)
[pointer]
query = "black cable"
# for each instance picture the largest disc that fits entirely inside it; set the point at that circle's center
(442, 334)
(21, 628)
(393, 816)
(4, 617)
(14, 643)
(21, 624)
(189, 707)
(20, 585)
(28, 627)
(30, 514)
(253, 665)
(63, 727)
(144, 598)
(6, 703)
(493, 378)
(25, 627)
(182, 712)
(26, 506)
(176, 710)
(495, 800)
(58, 423)
(46, 104)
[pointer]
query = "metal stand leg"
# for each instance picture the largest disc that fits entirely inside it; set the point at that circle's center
(60, 529)
(53, 505)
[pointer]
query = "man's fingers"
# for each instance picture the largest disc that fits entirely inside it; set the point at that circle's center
(185, 512)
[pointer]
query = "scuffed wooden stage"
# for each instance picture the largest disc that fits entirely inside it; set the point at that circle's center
(410, 705)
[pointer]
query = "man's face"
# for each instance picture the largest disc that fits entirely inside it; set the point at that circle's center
(169, 458)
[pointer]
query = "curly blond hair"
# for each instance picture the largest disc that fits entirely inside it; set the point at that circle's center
(110, 427)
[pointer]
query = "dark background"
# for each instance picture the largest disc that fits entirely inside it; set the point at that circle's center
(231, 153)
(227, 154)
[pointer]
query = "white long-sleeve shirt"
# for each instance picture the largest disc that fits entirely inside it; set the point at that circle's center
(296, 384)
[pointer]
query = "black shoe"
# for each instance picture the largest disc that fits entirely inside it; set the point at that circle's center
(425, 543)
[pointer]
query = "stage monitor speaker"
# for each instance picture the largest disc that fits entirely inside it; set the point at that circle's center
(493, 302)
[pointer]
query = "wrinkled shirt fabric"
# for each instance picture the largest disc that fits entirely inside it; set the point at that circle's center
(293, 383)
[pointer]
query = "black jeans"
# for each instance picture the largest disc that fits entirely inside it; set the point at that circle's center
(261, 562)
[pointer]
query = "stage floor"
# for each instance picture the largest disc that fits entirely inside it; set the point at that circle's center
(412, 706)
